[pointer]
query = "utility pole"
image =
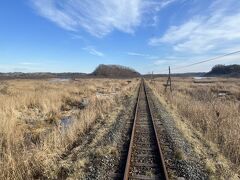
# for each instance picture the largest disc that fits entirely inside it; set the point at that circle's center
(169, 80)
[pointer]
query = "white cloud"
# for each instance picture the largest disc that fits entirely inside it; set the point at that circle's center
(93, 51)
(137, 54)
(20, 67)
(147, 56)
(218, 30)
(175, 34)
(157, 5)
(28, 63)
(165, 3)
(98, 17)
(164, 62)
(49, 9)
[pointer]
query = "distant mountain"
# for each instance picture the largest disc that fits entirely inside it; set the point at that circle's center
(111, 71)
(115, 71)
(40, 75)
(226, 71)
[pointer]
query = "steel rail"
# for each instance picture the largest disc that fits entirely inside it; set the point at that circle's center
(134, 128)
(127, 167)
(157, 138)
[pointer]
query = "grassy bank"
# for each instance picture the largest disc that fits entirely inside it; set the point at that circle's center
(212, 108)
(33, 136)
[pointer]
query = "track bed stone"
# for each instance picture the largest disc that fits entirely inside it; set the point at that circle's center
(101, 153)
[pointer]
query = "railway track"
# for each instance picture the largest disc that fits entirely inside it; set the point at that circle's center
(144, 160)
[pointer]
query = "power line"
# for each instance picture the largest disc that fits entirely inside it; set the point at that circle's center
(200, 62)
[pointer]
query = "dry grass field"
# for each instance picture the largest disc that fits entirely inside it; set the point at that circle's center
(39, 119)
(212, 107)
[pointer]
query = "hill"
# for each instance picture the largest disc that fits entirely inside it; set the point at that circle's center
(115, 71)
(222, 70)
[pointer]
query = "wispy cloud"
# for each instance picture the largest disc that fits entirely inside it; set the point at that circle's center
(166, 3)
(164, 62)
(202, 33)
(28, 63)
(98, 17)
(20, 67)
(147, 56)
(157, 5)
(93, 51)
(137, 54)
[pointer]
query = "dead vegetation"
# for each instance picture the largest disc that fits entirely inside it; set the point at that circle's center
(40, 119)
(213, 109)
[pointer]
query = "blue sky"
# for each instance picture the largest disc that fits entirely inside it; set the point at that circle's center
(148, 35)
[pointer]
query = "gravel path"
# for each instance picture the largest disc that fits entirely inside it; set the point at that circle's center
(110, 165)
